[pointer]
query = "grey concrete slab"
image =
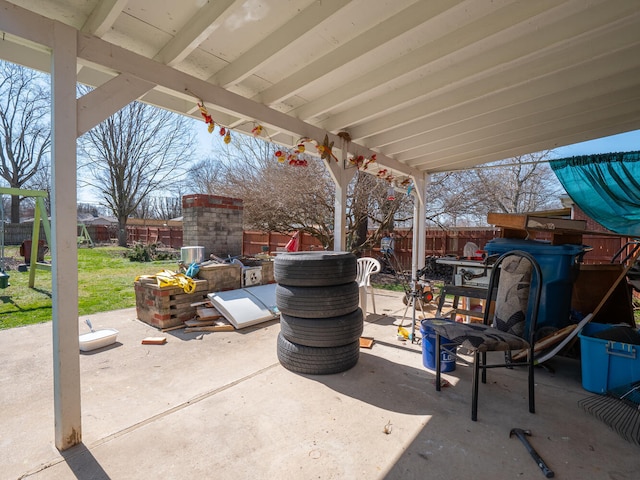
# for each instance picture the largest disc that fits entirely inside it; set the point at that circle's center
(223, 407)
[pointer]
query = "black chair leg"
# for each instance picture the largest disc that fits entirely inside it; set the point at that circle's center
(532, 396)
(483, 356)
(474, 386)
(438, 341)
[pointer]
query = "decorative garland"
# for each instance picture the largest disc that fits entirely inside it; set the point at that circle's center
(325, 149)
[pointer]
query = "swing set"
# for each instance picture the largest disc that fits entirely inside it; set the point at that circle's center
(40, 215)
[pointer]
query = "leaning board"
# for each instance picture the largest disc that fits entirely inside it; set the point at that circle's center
(246, 306)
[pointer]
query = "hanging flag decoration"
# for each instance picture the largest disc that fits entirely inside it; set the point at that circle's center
(207, 118)
(325, 149)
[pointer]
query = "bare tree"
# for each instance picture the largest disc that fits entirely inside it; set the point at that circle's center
(521, 184)
(206, 176)
(136, 152)
(163, 208)
(42, 181)
(25, 133)
(282, 198)
(371, 208)
(525, 184)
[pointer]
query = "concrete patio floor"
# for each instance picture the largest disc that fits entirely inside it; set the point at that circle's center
(222, 407)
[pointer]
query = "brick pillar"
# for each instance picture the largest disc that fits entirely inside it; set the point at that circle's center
(214, 223)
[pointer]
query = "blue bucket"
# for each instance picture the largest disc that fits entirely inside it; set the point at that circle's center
(447, 360)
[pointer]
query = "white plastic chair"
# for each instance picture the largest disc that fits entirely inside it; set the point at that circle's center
(366, 267)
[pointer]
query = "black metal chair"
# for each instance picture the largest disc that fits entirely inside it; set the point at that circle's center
(515, 287)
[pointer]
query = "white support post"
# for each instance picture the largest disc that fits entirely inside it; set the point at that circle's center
(66, 348)
(419, 224)
(341, 177)
(340, 217)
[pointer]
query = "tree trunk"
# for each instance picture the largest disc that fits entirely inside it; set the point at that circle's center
(122, 232)
(15, 209)
(361, 234)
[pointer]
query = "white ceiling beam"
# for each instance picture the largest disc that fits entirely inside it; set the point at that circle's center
(103, 17)
(544, 76)
(26, 24)
(394, 27)
(479, 73)
(104, 101)
(21, 22)
(547, 136)
(613, 127)
(494, 134)
(196, 30)
(21, 54)
(116, 58)
(581, 97)
(295, 28)
(465, 35)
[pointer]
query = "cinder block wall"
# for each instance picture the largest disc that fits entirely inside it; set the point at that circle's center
(214, 223)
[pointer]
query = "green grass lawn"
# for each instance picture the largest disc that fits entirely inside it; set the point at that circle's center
(105, 282)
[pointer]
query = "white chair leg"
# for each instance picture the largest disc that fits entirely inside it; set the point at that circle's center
(363, 300)
(373, 301)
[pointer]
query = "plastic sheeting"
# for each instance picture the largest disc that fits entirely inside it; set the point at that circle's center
(606, 187)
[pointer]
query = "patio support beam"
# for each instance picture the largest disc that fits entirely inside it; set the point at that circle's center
(419, 223)
(66, 348)
(108, 98)
(341, 177)
(103, 17)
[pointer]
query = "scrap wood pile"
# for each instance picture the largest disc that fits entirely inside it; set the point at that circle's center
(207, 319)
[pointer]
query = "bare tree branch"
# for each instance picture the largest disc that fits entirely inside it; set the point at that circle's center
(25, 134)
(139, 151)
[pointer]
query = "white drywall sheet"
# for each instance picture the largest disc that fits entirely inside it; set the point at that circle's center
(247, 306)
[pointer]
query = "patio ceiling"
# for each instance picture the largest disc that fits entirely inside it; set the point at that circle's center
(427, 85)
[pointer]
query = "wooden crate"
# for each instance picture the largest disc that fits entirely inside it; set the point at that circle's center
(169, 306)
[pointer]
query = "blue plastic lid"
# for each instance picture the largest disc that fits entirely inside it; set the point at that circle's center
(533, 246)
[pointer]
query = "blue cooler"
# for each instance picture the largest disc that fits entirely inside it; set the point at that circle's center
(559, 267)
(447, 361)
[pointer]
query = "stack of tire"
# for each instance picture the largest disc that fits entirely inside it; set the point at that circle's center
(320, 320)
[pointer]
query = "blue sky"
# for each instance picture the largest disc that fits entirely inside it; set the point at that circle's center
(624, 142)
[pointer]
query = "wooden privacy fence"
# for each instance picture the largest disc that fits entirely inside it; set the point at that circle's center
(169, 236)
(438, 243)
(254, 242)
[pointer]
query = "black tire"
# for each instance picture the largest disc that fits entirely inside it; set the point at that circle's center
(317, 302)
(317, 361)
(315, 269)
(324, 332)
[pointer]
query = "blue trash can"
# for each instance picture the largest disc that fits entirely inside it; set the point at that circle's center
(559, 267)
(447, 361)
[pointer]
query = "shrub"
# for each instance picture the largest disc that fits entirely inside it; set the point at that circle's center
(141, 253)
